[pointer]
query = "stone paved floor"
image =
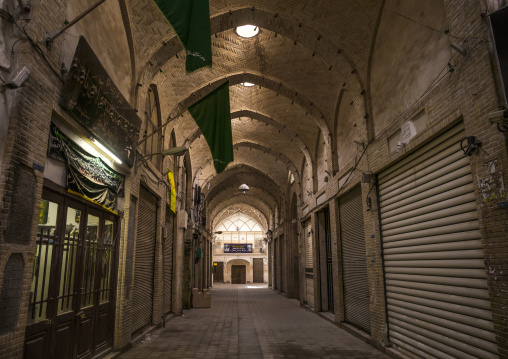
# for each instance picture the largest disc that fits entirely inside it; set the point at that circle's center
(250, 321)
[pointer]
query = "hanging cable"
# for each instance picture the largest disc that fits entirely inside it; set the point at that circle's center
(426, 26)
(6, 15)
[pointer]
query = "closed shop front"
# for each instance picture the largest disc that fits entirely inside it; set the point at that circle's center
(436, 287)
(258, 270)
(354, 263)
(309, 263)
(144, 262)
(218, 275)
(167, 248)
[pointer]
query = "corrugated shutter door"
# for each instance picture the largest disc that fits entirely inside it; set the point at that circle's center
(436, 287)
(144, 259)
(354, 263)
(258, 270)
(168, 260)
(309, 263)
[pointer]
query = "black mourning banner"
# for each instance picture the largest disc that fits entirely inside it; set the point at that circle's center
(87, 176)
(499, 22)
(90, 96)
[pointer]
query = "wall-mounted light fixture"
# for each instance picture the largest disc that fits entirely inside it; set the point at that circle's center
(105, 150)
(173, 151)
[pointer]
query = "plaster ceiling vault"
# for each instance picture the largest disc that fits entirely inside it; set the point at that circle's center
(305, 55)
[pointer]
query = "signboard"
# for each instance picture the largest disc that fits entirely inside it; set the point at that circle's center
(499, 23)
(91, 97)
(237, 248)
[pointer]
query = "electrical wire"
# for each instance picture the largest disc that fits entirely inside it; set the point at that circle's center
(6, 15)
(346, 182)
(426, 26)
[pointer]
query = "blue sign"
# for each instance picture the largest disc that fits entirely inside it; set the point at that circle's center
(237, 248)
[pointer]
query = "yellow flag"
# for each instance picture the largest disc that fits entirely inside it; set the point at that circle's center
(172, 194)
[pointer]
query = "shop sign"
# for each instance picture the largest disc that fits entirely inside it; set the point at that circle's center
(91, 97)
(237, 248)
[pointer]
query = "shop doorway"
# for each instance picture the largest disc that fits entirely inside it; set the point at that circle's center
(71, 311)
(218, 274)
(258, 269)
(325, 260)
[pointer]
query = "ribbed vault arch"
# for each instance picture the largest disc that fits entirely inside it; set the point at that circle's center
(247, 209)
(277, 157)
(283, 130)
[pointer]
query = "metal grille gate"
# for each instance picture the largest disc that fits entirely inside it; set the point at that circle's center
(144, 262)
(436, 287)
(354, 262)
(309, 264)
(168, 259)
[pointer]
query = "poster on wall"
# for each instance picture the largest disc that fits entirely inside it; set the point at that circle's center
(237, 248)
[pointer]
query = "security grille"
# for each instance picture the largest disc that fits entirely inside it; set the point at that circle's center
(144, 262)
(436, 287)
(354, 262)
(309, 263)
(168, 259)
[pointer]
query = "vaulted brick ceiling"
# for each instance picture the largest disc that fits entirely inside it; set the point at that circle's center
(305, 53)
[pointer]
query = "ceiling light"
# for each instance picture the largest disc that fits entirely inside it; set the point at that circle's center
(247, 31)
(243, 188)
(106, 151)
(246, 84)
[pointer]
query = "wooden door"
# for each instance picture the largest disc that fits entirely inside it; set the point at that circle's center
(64, 331)
(218, 275)
(258, 270)
(238, 274)
(70, 314)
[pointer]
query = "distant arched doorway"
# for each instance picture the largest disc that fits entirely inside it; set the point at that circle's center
(239, 271)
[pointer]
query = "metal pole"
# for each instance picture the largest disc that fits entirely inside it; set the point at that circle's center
(160, 128)
(51, 38)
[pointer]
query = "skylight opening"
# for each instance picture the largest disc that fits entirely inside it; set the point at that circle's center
(247, 31)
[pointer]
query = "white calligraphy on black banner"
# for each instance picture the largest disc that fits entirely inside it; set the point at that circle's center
(237, 248)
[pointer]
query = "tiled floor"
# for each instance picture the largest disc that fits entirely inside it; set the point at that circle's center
(250, 321)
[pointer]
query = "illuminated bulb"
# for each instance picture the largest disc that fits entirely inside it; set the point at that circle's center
(106, 151)
(247, 31)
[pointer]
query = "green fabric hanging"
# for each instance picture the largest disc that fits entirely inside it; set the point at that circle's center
(213, 116)
(191, 21)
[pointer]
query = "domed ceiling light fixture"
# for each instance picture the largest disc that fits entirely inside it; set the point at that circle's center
(243, 188)
(247, 31)
(247, 84)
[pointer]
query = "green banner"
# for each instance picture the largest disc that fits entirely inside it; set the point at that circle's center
(191, 21)
(87, 176)
(213, 116)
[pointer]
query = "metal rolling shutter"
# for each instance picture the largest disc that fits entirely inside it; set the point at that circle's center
(144, 262)
(168, 260)
(436, 287)
(309, 263)
(354, 262)
(258, 270)
(283, 264)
